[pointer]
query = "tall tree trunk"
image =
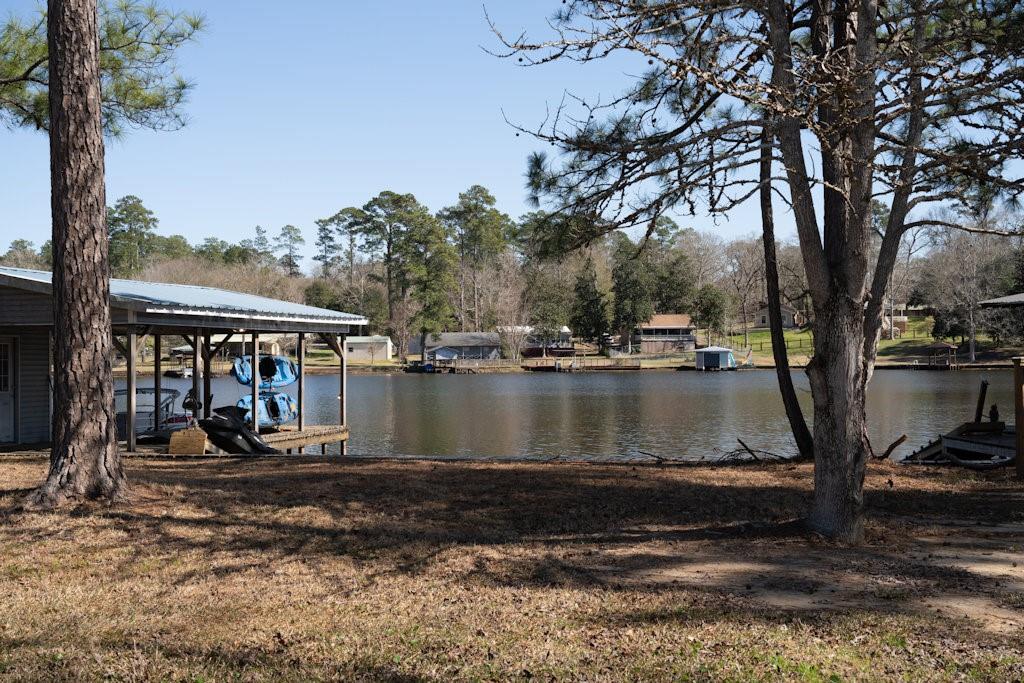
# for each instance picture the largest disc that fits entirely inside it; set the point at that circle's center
(84, 461)
(838, 381)
(746, 327)
(795, 415)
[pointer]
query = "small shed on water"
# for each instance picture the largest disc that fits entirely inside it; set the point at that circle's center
(158, 309)
(715, 358)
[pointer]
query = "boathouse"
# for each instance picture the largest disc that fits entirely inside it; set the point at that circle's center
(715, 358)
(138, 308)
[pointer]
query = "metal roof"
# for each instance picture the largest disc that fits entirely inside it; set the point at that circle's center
(714, 349)
(1005, 301)
(436, 341)
(171, 299)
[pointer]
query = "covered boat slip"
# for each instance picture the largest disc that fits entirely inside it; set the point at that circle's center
(159, 310)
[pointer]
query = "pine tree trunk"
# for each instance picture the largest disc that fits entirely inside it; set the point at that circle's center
(84, 462)
(840, 426)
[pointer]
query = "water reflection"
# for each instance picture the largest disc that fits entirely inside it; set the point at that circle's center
(615, 415)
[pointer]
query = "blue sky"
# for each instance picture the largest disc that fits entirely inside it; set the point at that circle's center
(302, 108)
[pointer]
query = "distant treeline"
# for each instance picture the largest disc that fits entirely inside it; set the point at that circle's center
(468, 266)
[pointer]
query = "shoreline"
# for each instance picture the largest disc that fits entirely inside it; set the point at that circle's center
(121, 372)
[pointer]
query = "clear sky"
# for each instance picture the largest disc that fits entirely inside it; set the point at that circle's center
(302, 108)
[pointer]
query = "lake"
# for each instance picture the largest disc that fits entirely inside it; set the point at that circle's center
(616, 415)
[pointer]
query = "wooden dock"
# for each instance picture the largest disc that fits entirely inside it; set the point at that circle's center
(288, 439)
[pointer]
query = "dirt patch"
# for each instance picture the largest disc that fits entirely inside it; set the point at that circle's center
(302, 569)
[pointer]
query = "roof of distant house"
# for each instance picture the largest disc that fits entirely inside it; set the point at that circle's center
(436, 341)
(162, 297)
(369, 339)
(672, 320)
(1010, 301)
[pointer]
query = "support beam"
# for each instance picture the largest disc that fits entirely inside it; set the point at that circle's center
(1018, 412)
(343, 393)
(157, 380)
(196, 366)
(130, 408)
(207, 374)
(300, 355)
(255, 382)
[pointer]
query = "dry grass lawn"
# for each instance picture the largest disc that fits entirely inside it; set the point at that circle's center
(298, 569)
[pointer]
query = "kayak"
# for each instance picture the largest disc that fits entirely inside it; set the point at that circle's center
(275, 371)
(274, 408)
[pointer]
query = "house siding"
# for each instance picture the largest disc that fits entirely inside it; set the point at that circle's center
(24, 308)
(31, 383)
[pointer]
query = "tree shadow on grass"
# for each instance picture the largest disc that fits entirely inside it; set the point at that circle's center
(610, 527)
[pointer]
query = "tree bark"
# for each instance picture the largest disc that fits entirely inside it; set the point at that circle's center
(795, 415)
(84, 462)
(837, 374)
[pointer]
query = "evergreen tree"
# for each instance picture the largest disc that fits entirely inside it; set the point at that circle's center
(633, 286)
(138, 44)
(288, 241)
(481, 232)
(131, 227)
(590, 312)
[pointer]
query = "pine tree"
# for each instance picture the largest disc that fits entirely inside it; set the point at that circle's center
(633, 286)
(288, 241)
(590, 309)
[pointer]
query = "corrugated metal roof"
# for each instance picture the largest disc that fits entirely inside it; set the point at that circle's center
(435, 341)
(166, 297)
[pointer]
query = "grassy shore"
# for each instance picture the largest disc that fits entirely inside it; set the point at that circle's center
(298, 569)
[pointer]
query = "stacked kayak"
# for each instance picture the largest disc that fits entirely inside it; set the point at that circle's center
(274, 371)
(273, 407)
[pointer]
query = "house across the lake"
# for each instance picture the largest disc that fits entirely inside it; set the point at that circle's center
(199, 314)
(791, 317)
(453, 345)
(372, 349)
(666, 333)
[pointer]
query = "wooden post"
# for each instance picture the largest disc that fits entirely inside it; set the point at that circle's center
(1018, 412)
(130, 409)
(255, 382)
(207, 372)
(197, 342)
(343, 398)
(300, 354)
(157, 380)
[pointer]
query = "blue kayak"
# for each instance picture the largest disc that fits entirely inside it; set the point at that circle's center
(274, 408)
(275, 371)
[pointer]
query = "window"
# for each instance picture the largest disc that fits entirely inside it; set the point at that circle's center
(5, 366)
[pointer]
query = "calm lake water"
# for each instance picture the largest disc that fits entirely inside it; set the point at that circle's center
(616, 415)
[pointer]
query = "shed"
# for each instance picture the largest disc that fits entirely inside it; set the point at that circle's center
(158, 309)
(370, 349)
(715, 358)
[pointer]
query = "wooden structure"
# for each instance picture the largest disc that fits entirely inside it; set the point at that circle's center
(942, 355)
(140, 309)
(1015, 301)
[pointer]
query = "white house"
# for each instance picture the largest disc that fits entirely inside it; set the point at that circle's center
(371, 349)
